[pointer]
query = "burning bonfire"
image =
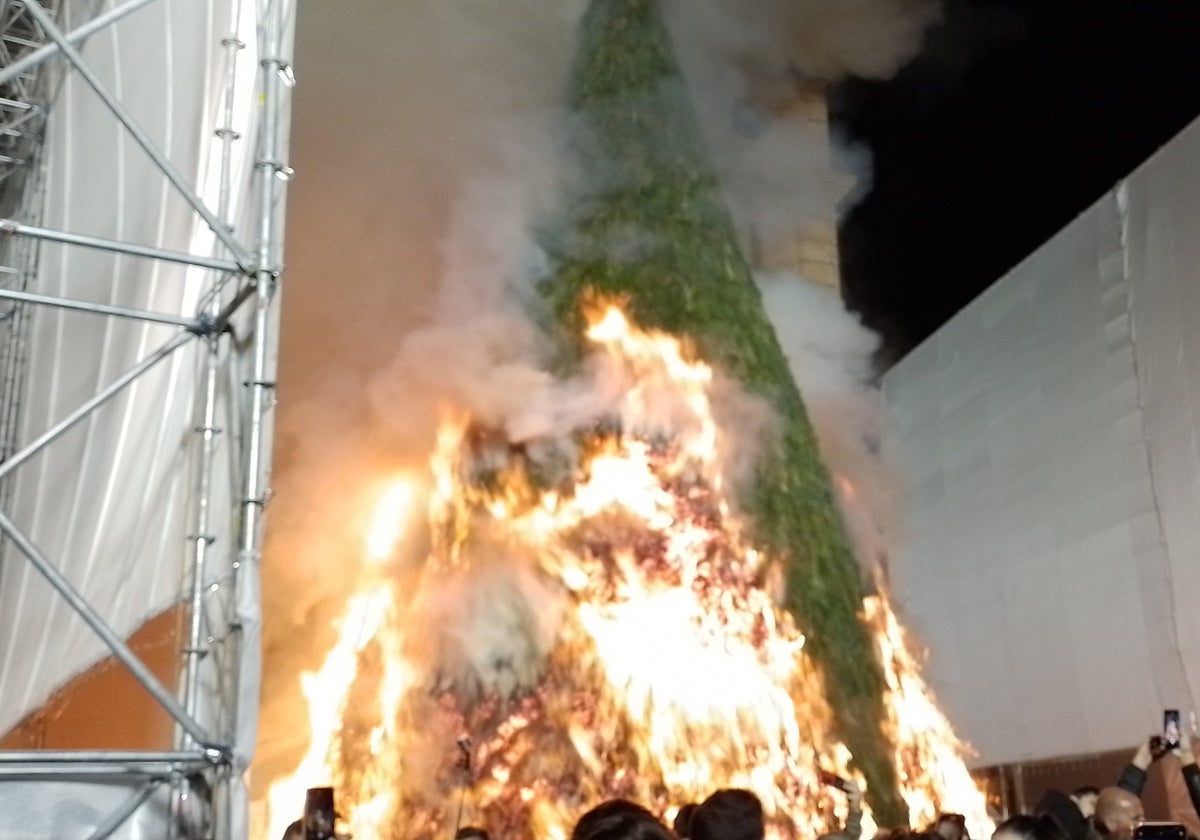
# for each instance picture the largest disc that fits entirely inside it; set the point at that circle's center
(588, 620)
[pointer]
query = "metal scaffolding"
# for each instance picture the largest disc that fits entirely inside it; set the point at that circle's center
(229, 323)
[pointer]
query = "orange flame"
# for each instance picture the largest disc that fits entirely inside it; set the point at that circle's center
(388, 522)
(327, 689)
(587, 631)
(929, 756)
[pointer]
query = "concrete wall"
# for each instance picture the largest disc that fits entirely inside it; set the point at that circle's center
(1047, 440)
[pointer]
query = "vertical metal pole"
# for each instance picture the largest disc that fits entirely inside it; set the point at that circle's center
(1005, 793)
(206, 423)
(199, 640)
(259, 386)
(164, 165)
(1018, 777)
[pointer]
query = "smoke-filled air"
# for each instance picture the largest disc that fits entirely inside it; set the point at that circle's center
(523, 554)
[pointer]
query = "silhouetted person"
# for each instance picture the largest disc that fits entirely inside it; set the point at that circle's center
(730, 814)
(472, 832)
(905, 833)
(950, 826)
(682, 824)
(1029, 827)
(620, 819)
(1068, 811)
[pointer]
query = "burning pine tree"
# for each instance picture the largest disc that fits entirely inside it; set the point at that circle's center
(593, 608)
(656, 234)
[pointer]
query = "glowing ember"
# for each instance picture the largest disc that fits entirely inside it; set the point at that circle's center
(584, 628)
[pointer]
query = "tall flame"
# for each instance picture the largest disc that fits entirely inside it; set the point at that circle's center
(387, 523)
(589, 626)
(327, 690)
(928, 753)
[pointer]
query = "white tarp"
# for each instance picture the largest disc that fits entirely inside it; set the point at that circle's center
(1047, 441)
(112, 502)
(108, 501)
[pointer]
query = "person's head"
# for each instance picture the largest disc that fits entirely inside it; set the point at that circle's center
(905, 833)
(1117, 812)
(1028, 827)
(682, 823)
(730, 814)
(950, 826)
(471, 832)
(1085, 799)
(619, 819)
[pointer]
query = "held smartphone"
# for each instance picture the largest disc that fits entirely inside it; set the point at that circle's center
(1160, 831)
(1172, 733)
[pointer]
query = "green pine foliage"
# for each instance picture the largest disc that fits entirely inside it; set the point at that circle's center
(655, 233)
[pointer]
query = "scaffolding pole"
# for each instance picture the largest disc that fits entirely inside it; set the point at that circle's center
(190, 324)
(114, 642)
(126, 119)
(75, 36)
(8, 226)
(206, 733)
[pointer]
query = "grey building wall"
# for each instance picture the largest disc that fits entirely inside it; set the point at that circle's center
(1051, 481)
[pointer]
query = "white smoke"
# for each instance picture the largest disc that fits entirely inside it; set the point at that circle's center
(424, 141)
(488, 626)
(758, 71)
(427, 140)
(824, 39)
(830, 353)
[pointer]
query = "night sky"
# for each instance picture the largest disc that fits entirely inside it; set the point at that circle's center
(1016, 116)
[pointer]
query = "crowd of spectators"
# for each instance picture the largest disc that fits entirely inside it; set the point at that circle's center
(1088, 813)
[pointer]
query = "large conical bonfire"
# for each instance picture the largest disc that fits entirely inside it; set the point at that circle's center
(656, 234)
(648, 592)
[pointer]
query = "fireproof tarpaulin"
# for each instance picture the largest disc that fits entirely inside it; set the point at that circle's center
(1047, 441)
(87, 501)
(111, 504)
(1163, 255)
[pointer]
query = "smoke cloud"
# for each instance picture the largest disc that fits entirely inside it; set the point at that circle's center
(824, 39)
(428, 140)
(830, 355)
(757, 70)
(424, 142)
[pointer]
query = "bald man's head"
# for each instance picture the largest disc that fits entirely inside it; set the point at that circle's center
(1117, 812)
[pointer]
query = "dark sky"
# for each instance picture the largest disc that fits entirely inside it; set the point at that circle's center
(1016, 116)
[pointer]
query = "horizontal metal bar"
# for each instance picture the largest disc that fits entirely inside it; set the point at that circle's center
(29, 61)
(103, 756)
(85, 71)
(51, 434)
(10, 226)
(92, 772)
(103, 765)
(17, 39)
(103, 309)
